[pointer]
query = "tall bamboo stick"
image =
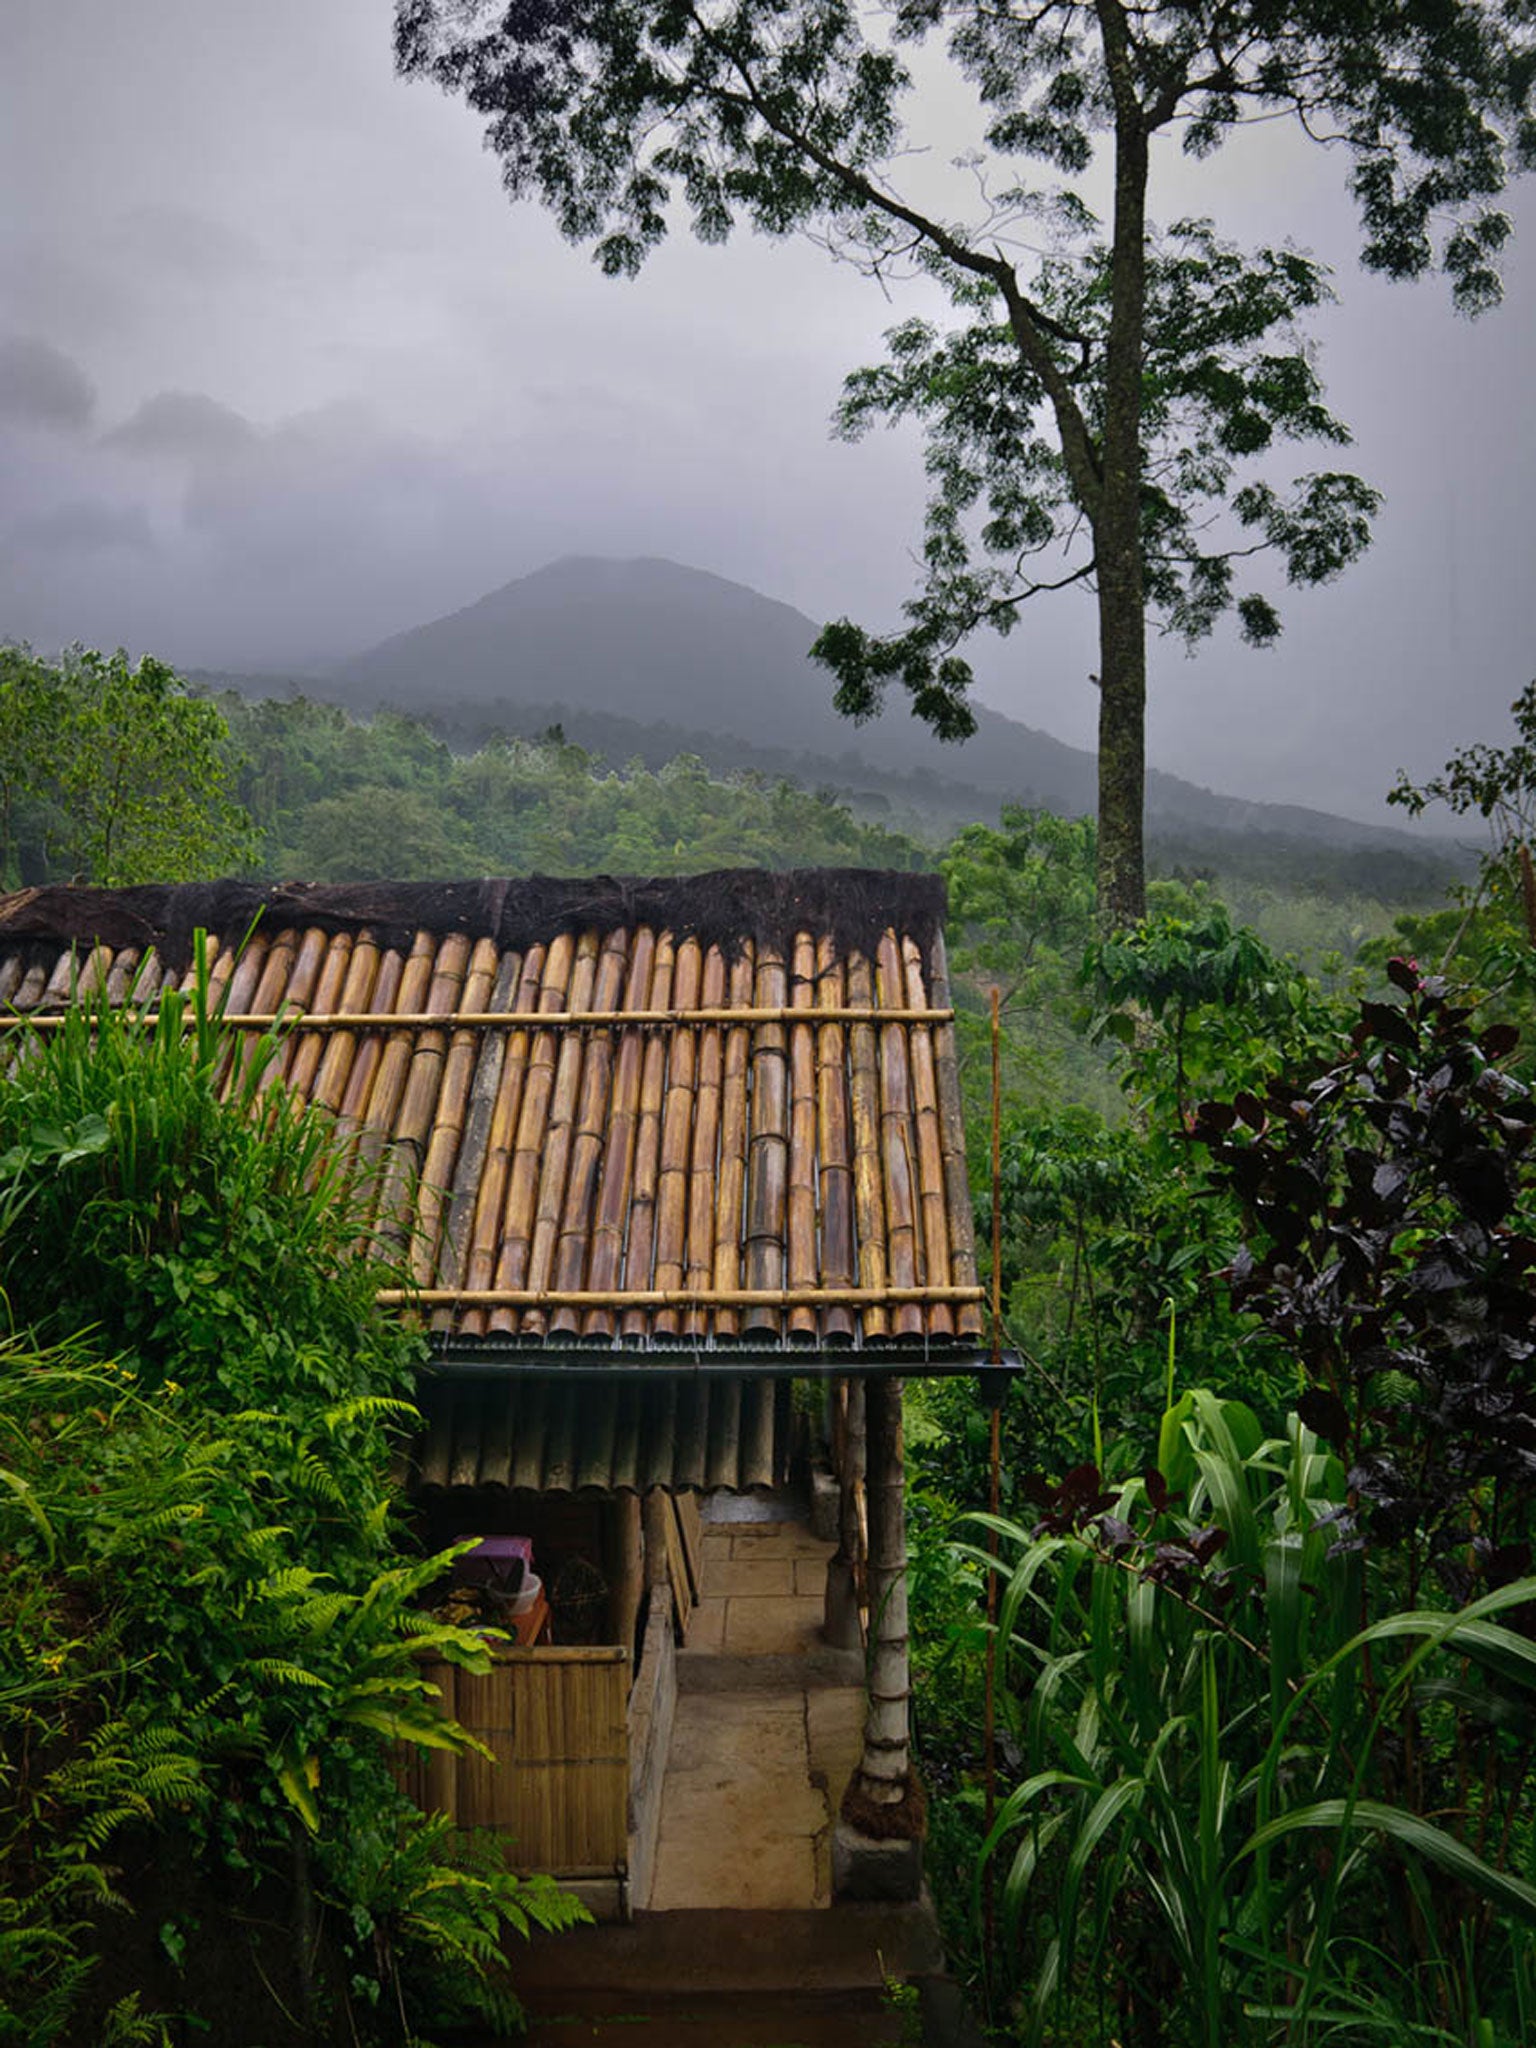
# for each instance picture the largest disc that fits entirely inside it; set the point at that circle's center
(868, 1173)
(574, 1243)
(308, 978)
(435, 1182)
(883, 1777)
(340, 1047)
(767, 1147)
(639, 1248)
(706, 1143)
(903, 1248)
(801, 1205)
(517, 1222)
(485, 1150)
(928, 1132)
(410, 1125)
(612, 1217)
(676, 1132)
(370, 1044)
(962, 1248)
(560, 1133)
(835, 1158)
(731, 1190)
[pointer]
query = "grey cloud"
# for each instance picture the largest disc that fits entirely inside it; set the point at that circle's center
(181, 423)
(41, 386)
(86, 526)
(181, 239)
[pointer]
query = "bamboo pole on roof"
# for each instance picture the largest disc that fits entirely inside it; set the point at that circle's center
(307, 976)
(376, 1110)
(834, 1155)
(868, 1174)
(232, 984)
(676, 1133)
(903, 1248)
(706, 1142)
(612, 1214)
(730, 1197)
(410, 1126)
(801, 1200)
(480, 1170)
(574, 1243)
(767, 1148)
(933, 1205)
(640, 1244)
(341, 1046)
(957, 1183)
(442, 1150)
(368, 1045)
(516, 1224)
(119, 979)
(560, 1134)
(305, 1049)
(11, 972)
(271, 991)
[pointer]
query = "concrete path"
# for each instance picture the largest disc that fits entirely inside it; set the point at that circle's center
(738, 1948)
(766, 1735)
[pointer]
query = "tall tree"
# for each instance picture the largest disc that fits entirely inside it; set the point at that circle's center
(1091, 407)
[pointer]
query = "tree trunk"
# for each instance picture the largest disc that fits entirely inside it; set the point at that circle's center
(883, 1778)
(1122, 889)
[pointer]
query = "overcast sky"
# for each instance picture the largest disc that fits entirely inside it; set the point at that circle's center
(282, 372)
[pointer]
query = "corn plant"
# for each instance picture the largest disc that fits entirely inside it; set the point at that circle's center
(1197, 1837)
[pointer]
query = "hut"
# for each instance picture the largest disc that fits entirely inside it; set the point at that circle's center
(651, 1151)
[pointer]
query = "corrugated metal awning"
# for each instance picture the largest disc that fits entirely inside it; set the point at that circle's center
(555, 1435)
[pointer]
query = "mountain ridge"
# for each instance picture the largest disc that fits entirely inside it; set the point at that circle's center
(646, 641)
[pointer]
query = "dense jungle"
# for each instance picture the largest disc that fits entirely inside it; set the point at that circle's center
(1224, 1694)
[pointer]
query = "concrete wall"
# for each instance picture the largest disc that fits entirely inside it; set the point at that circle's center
(652, 1705)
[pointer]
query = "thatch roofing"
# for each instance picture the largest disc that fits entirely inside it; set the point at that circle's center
(692, 1117)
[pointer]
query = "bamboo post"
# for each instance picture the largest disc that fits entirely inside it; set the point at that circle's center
(883, 1779)
(841, 1623)
(626, 1571)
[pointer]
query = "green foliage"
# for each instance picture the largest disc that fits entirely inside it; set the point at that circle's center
(1198, 1713)
(340, 799)
(183, 1208)
(112, 773)
(210, 1644)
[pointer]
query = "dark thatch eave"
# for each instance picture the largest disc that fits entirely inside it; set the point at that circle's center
(727, 908)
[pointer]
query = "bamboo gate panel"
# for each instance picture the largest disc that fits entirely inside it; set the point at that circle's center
(557, 1781)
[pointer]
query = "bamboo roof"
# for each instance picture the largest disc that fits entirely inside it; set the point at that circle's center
(717, 1114)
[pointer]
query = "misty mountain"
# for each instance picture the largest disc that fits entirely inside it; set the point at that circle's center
(651, 658)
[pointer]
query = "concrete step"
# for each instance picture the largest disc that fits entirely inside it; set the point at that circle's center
(678, 1955)
(810, 1670)
(721, 2019)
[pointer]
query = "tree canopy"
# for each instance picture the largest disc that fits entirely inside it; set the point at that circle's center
(112, 773)
(1105, 403)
